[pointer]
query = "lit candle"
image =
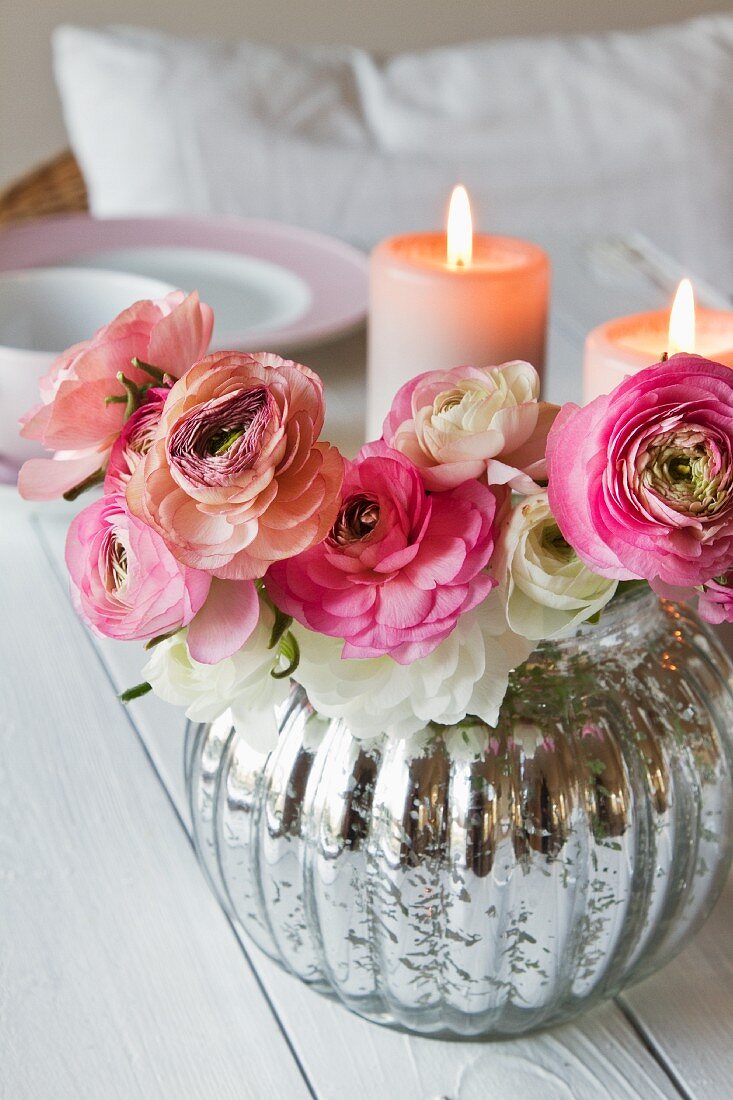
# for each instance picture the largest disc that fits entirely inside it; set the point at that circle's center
(441, 300)
(628, 344)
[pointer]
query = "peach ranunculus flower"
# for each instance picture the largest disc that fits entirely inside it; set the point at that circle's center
(473, 422)
(235, 478)
(75, 418)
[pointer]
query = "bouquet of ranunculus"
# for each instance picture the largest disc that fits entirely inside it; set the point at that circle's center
(400, 587)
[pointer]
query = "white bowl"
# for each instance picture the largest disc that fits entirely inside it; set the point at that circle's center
(43, 311)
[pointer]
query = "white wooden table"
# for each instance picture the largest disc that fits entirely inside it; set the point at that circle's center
(119, 975)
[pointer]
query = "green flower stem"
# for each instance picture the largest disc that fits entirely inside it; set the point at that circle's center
(94, 479)
(134, 394)
(282, 623)
(154, 372)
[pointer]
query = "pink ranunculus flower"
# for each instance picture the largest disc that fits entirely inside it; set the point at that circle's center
(235, 478)
(641, 480)
(472, 422)
(125, 583)
(715, 604)
(134, 441)
(73, 419)
(399, 565)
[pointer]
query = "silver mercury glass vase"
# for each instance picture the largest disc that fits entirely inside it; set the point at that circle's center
(471, 881)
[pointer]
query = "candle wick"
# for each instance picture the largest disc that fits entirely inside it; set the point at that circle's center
(665, 357)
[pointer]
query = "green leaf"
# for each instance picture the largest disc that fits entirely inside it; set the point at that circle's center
(160, 638)
(135, 692)
(290, 650)
(627, 586)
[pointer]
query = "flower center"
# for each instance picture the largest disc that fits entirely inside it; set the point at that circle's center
(356, 520)
(686, 470)
(140, 430)
(554, 543)
(465, 410)
(447, 400)
(115, 578)
(141, 439)
(223, 437)
(118, 564)
(221, 441)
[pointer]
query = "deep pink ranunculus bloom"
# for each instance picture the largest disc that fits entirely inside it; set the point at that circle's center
(125, 583)
(134, 441)
(641, 480)
(235, 477)
(399, 565)
(73, 419)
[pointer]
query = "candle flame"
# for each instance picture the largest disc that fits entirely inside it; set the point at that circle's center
(460, 228)
(682, 320)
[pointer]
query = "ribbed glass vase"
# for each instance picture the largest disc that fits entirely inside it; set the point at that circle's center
(472, 881)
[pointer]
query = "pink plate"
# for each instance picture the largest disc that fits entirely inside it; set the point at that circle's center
(272, 287)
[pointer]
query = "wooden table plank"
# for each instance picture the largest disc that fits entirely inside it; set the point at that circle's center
(600, 1053)
(686, 1011)
(119, 975)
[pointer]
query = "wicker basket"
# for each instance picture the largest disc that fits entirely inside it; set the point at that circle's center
(56, 187)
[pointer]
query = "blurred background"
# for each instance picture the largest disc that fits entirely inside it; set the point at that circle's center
(31, 126)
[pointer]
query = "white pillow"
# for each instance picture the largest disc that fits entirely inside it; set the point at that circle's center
(579, 134)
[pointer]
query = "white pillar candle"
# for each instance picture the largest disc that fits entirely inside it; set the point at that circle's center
(626, 345)
(485, 305)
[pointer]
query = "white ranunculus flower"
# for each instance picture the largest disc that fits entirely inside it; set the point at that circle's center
(472, 422)
(476, 404)
(547, 588)
(241, 683)
(466, 674)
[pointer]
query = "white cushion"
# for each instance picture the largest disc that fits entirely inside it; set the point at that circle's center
(579, 134)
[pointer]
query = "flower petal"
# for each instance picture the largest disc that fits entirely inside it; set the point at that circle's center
(50, 478)
(225, 622)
